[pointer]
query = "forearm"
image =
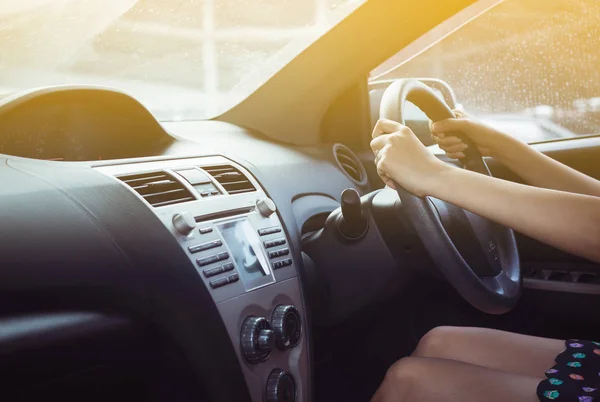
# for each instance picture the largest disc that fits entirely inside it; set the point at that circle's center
(567, 221)
(540, 170)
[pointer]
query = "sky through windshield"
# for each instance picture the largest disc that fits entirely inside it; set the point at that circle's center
(184, 59)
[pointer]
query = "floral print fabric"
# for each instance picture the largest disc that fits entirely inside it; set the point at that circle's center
(576, 375)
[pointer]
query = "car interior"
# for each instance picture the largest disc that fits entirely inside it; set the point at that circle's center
(255, 254)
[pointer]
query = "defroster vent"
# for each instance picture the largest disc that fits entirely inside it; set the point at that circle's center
(232, 180)
(158, 188)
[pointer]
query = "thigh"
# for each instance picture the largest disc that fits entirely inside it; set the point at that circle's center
(516, 353)
(416, 379)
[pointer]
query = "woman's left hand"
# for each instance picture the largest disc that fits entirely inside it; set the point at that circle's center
(401, 157)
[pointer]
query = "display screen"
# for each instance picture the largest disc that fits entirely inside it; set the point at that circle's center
(245, 249)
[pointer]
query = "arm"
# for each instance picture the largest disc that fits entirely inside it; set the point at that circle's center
(540, 170)
(564, 220)
(534, 167)
(567, 221)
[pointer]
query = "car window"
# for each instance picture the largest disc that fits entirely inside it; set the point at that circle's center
(528, 67)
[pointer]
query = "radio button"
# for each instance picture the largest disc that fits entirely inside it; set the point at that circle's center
(207, 260)
(222, 256)
(213, 271)
(228, 267)
(217, 283)
(268, 231)
(233, 278)
(206, 230)
(205, 246)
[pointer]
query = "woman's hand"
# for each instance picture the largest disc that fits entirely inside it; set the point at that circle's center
(402, 158)
(488, 140)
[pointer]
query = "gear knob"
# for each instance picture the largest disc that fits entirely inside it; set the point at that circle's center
(353, 224)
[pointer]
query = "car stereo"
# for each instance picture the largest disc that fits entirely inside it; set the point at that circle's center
(230, 231)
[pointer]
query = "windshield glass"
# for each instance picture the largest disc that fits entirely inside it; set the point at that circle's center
(527, 67)
(183, 59)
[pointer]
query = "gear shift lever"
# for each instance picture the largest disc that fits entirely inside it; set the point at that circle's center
(352, 223)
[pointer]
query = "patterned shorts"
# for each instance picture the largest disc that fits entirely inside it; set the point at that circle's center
(576, 375)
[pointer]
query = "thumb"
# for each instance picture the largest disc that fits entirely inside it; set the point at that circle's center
(449, 125)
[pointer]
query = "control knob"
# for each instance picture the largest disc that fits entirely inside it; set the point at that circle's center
(287, 326)
(266, 207)
(184, 222)
(281, 387)
(257, 339)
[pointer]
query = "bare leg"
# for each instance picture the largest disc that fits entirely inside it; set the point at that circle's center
(515, 353)
(416, 379)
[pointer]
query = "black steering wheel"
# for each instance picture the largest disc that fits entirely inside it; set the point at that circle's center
(477, 256)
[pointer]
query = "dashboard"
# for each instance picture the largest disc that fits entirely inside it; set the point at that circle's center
(83, 124)
(187, 224)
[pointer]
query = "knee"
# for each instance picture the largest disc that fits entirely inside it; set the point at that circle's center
(402, 380)
(436, 342)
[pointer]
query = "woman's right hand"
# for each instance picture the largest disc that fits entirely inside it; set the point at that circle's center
(488, 140)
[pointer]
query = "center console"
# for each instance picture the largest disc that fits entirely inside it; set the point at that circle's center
(231, 232)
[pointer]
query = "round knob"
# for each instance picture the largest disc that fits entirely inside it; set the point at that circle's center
(256, 339)
(287, 326)
(281, 387)
(266, 207)
(184, 222)
(266, 340)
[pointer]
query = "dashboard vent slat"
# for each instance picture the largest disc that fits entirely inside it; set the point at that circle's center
(232, 180)
(349, 163)
(158, 188)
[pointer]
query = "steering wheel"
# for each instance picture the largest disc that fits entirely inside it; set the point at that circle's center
(477, 256)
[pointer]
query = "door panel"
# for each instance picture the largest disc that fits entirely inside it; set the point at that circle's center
(544, 266)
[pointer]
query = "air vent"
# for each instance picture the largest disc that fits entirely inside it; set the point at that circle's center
(349, 163)
(158, 188)
(232, 180)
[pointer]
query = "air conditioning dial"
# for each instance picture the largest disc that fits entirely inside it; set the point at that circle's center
(287, 325)
(281, 387)
(257, 339)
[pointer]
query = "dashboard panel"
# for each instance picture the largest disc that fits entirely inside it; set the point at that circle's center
(109, 248)
(78, 125)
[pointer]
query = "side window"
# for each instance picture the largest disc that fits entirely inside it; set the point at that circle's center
(528, 67)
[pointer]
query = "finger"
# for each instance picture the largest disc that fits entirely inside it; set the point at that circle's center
(449, 125)
(389, 182)
(377, 158)
(379, 142)
(385, 126)
(447, 141)
(455, 155)
(460, 113)
(380, 156)
(437, 137)
(454, 148)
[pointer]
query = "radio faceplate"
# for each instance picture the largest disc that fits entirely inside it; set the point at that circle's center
(239, 248)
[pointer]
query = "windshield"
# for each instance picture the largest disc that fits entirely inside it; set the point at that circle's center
(527, 67)
(183, 59)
